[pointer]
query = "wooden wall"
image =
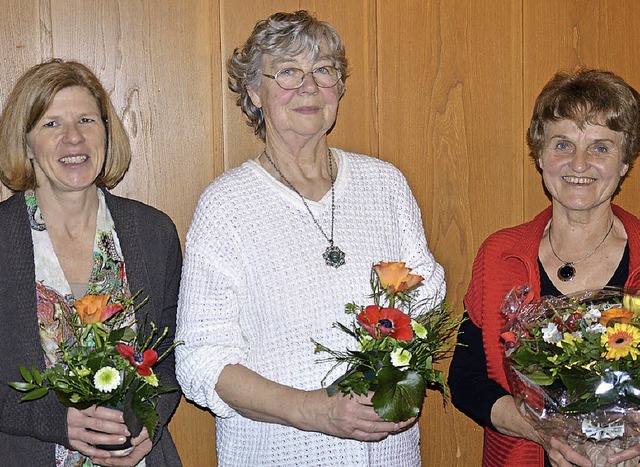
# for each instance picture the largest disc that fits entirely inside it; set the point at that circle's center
(443, 89)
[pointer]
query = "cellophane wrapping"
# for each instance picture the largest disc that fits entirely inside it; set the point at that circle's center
(574, 369)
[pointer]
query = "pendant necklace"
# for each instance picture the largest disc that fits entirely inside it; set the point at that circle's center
(567, 271)
(333, 256)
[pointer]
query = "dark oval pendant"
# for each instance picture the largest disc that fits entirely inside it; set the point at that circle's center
(566, 272)
(333, 256)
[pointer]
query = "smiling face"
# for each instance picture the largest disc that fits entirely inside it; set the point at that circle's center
(303, 113)
(67, 145)
(581, 168)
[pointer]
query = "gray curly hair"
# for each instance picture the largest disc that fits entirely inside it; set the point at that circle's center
(282, 35)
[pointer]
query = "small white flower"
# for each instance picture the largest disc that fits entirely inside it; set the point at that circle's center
(596, 329)
(551, 334)
(418, 329)
(106, 379)
(400, 357)
(592, 316)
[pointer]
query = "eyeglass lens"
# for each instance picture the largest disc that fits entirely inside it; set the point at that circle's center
(292, 78)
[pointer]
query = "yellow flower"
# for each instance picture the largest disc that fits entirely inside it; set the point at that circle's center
(152, 380)
(419, 329)
(569, 339)
(621, 340)
(395, 277)
(632, 303)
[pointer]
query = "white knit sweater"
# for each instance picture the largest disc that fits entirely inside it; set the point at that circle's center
(255, 290)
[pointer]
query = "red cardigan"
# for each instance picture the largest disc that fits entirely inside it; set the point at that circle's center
(509, 258)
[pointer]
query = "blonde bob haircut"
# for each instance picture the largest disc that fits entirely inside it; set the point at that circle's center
(27, 103)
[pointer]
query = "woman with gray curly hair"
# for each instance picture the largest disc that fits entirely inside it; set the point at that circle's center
(276, 249)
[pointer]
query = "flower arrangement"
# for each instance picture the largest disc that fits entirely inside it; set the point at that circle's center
(399, 339)
(106, 362)
(573, 366)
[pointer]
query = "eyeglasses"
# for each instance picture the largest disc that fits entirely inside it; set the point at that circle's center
(292, 78)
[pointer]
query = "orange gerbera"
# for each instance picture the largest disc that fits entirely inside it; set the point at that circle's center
(621, 340)
(615, 315)
(395, 277)
(94, 309)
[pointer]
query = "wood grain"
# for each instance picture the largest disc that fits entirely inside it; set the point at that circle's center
(443, 90)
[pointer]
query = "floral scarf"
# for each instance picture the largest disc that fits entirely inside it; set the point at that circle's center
(54, 295)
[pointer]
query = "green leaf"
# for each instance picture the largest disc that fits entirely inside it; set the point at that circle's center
(149, 417)
(35, 394)
(37, 376)
(541, 378)
(25, 374)
(399, 395)
(20, 386)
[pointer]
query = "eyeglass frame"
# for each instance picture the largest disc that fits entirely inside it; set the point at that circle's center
(304, 74)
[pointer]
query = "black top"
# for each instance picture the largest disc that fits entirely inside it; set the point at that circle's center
(472, 391)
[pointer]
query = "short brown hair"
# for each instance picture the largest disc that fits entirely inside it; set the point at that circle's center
(30, 98)
(588, 97)
(282, 35)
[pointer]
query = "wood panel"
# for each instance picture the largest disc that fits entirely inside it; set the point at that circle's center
(355, 21)
(25, 38)
(450, 91)
(444, 90)
(156, 60)
(578, 34)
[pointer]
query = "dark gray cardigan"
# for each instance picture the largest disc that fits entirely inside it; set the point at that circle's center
(153, 257)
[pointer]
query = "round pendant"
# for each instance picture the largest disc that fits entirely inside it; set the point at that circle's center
(566, 272)
(333, 256)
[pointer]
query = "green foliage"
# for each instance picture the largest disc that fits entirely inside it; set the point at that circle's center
(562, 345)
(376, 364)
(93, 348)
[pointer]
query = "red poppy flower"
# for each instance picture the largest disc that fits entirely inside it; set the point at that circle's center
(381, 322)
(143, 361)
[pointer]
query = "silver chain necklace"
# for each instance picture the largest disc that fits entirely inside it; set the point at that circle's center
(333, 256)
(567, 271)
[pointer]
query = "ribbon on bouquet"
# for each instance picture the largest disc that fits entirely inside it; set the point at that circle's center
(602, 431)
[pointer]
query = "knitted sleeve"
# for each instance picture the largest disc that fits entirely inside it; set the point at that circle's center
(416, 252)
(208, 306)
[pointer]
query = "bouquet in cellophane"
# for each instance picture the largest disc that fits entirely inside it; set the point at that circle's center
(572, 364)
(399, 339)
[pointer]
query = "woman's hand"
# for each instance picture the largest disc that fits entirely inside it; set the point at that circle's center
(95, 425)
(507, 419)
(142, 446)
(260, 399)
(347, 417)
(632, 452)
(562, 455)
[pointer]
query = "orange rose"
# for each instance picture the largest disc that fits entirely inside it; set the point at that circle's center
(615, 315)
(395, 277)
(94, 309)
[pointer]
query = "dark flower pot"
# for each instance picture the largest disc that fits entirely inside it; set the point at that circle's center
(122, 449)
